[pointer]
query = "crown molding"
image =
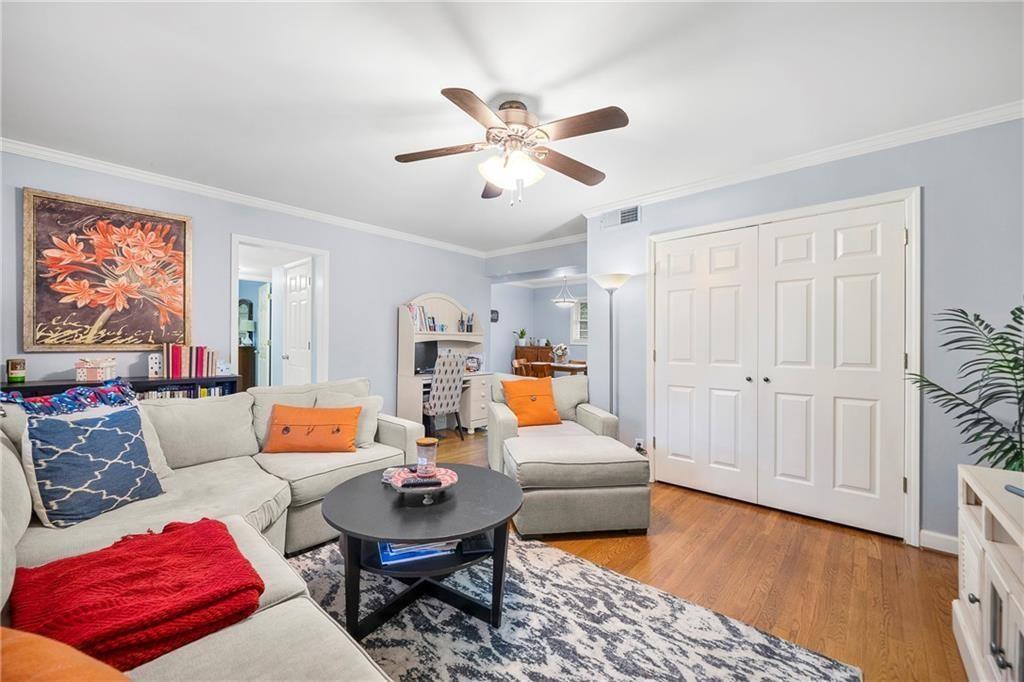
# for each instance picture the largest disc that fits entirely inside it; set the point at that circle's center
(86, 163)
(947, 126)
(535, 246)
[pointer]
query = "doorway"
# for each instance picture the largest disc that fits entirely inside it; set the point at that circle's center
(780, 346)
(279, 312)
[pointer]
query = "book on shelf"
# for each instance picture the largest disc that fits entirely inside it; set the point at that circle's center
(181, 391)
(188, 362)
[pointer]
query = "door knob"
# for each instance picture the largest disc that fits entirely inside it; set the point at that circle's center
(766, 380)
(973, 598)
(748, 378)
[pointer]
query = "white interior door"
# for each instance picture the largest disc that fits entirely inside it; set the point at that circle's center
(298, 323)
(831, 340)
(263, 336)
(706, 340)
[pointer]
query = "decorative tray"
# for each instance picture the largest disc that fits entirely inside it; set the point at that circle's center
(447, 477)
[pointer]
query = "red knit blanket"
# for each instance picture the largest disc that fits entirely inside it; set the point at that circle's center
(141, 597)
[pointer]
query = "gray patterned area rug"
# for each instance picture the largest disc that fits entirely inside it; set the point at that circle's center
(564, 618)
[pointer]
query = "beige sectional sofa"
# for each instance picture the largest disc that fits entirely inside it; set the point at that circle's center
(270, 503)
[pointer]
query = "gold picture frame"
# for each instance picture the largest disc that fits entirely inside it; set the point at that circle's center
(100, 276)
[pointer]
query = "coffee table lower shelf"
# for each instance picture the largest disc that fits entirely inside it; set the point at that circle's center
(423, 580)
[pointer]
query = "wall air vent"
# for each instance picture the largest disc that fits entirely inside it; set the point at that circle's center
(623, 216)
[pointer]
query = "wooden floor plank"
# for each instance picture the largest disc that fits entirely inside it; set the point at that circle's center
(865, 599)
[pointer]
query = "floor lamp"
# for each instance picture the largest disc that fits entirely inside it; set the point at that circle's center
(611, 283)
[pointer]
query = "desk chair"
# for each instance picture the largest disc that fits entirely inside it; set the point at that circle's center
(445, 392)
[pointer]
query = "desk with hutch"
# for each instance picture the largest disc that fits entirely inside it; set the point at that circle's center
(413, 387)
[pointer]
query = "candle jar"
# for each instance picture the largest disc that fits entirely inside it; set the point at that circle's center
(426, 457)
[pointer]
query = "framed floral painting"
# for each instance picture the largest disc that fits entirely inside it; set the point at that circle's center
(101, 276)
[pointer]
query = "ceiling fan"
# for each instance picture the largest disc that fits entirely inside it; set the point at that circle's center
(522, 143)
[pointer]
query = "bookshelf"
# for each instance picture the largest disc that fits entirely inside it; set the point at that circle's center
(447, 311)
(192, 386)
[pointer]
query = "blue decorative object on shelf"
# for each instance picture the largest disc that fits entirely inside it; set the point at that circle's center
(85, 467)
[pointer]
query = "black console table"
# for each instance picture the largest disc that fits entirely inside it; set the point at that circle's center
(191, 385)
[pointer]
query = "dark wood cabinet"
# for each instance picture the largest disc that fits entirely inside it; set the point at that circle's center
(534, 353)
(246, 367)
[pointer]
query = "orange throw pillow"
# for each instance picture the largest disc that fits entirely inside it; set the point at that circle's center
(532, 401)
(34, 658)
(312, 429)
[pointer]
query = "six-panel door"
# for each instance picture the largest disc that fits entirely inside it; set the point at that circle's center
(706, 326)
(812, 311)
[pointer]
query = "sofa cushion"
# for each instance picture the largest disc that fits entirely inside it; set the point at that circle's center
(295, 640)
(566, 428)
(569, 391)
(265, 397)
(13, 426)
(370, 407)
(193, 431)
(574, 462)
(84, 464)
(314, 474)
(215, 489)
(14, 492)
(279, 578)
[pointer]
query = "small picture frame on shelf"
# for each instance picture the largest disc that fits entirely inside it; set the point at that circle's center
(474, 362)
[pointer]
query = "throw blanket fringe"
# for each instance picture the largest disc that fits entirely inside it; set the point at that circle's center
(141, 597)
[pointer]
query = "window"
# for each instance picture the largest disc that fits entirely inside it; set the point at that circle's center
(579, 333)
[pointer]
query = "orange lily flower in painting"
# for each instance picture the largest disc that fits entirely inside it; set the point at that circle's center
(78, 292)
(115, 294)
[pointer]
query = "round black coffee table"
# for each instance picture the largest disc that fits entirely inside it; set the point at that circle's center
(367, 512)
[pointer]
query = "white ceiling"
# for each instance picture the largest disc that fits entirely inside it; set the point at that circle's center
(308, 104)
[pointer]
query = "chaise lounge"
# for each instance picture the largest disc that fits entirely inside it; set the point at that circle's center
(575, 475)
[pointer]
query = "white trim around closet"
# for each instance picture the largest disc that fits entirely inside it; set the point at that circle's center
(911, 198)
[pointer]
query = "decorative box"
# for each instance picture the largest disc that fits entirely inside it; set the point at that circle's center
(99, 369)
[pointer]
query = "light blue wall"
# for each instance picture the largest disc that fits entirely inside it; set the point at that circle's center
(972, 245)
(569, 257)
(515, 311)
(370, 277)
(251, 290)
(552, 322)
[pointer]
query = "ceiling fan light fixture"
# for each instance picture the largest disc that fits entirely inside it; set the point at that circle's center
(565, 299)
(508, 170)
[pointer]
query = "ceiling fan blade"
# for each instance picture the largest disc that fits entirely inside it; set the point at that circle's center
(434, 153)
(474, 106)
(491, 191)
(568, 166)
(608, 118)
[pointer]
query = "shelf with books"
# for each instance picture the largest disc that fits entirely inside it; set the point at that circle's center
(195, 387)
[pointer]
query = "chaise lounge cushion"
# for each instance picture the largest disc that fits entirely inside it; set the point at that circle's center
(314, 474)
(198, 431)
(215, 489)
(574, 462)
(295, 640)
(280, 581)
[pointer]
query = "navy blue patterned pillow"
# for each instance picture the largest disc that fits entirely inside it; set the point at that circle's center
(84, 467)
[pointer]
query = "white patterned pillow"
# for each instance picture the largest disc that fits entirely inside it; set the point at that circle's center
(81, 465)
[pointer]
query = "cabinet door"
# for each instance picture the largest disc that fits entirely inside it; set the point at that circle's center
(1015, 640)
(996, 623)
(972, 558)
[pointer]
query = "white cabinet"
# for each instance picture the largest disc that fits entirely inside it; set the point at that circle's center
(473, 404)
(987, 617)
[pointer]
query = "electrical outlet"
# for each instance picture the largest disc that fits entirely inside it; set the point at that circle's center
(638, 444)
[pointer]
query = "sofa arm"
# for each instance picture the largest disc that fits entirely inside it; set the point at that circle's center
(399, 433)
(501, 425)
(597, 420)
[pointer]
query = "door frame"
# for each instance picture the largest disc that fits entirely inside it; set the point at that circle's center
(321, 291)
(911, 198)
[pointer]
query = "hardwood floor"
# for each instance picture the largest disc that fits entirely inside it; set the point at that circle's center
(862, 598)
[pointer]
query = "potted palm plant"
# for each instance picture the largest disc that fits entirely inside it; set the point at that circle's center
(989, 408)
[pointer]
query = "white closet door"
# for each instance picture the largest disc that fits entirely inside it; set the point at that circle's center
(831, 339)
(706, 336)
(298, 324)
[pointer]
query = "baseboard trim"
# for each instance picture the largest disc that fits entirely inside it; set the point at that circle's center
(940, 542)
